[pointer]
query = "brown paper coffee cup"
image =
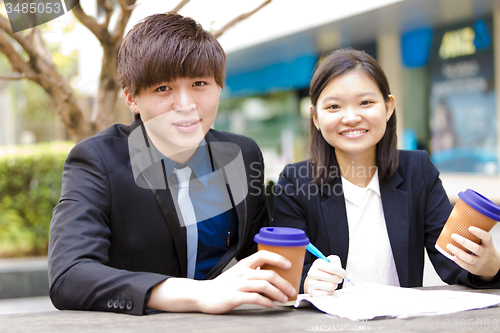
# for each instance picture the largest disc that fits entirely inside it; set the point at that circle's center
(461, 218)
(296, 256)
(291, 244)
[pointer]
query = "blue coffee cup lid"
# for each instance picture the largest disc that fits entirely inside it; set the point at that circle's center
(281, 236)
(481, 204)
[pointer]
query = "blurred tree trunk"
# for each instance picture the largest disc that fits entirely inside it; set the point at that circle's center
(41, 69)
(110, 38)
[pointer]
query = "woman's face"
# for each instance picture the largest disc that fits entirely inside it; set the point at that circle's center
(352, 114)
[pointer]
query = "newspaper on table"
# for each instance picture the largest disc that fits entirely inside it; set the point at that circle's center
(370, 301)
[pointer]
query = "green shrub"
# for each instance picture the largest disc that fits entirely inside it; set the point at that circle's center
(30, 187)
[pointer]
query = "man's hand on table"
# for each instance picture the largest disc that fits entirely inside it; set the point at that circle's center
(244, 283)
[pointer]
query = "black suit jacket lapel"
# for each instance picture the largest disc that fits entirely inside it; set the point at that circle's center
(222, 154)
(221, 157)
(335, 219)
(155, 178)
(395, 204)
(178, 232)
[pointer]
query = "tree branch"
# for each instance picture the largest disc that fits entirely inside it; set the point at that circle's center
(31, 35)
(15, 60)
(13, 77)
(31, 76)
(18, 37)
(19, 65)
(32, 43)
(44, 57)
(179, 6)
(127, 8)
(108, 8)
(99, 31)
(243, 16)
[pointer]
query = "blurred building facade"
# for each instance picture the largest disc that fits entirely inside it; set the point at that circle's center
(442, 59)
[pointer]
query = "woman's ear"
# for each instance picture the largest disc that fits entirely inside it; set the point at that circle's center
(390, 107)
(314, 116)
(130, 99)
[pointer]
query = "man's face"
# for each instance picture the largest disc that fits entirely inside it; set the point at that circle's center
(177, 114)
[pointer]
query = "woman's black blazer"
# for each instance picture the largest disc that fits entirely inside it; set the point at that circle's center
(415, 206)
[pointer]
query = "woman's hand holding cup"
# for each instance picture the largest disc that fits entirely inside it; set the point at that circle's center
(484, 260)
(465, 237)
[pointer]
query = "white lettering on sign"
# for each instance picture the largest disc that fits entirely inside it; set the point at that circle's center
(466, 68)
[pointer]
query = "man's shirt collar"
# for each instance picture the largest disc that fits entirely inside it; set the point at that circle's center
(199, 163)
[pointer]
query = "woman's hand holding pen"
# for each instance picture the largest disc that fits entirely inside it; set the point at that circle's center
(485, 262)
(324, 277)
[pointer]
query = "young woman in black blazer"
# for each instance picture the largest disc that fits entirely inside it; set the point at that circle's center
(357, 181)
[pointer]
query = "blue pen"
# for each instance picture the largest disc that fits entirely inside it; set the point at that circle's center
(314, 250)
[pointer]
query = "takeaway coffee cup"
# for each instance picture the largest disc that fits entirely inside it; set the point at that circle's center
(471, 209)
(291, 244)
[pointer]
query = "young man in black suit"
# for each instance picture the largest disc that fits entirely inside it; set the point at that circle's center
(130, 234)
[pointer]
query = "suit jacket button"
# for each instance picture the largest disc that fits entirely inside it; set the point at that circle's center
(130, 305)
(110, 303)
(116, 304)
(122, 304)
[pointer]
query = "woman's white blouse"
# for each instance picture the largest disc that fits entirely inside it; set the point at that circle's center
(370, 258)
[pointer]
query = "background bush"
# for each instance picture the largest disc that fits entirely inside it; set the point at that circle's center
(30, 187)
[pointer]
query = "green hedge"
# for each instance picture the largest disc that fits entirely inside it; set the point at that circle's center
(30, 187)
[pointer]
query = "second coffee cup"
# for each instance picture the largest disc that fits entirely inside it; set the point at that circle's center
(471, 209)
(291, 244)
